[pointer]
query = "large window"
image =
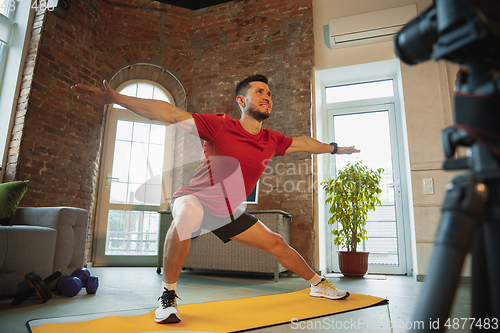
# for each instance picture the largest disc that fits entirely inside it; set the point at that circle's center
(4, 8)
(359, 91)
(145, 90)
(369, 129)
(136, 181)
(7, 24)
(16, 19)
(361, 106)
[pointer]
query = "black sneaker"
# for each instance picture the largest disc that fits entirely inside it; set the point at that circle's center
(167, 312)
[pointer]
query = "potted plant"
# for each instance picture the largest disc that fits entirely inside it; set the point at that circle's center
(351, 196)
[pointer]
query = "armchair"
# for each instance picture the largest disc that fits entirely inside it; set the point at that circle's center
(41, 239)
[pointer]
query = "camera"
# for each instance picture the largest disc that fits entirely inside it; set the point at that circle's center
(459, 31)
(453, 30)
(467, 33)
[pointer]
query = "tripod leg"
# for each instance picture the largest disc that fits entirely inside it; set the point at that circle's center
(480, 288)
(462, 211)
(491, 259)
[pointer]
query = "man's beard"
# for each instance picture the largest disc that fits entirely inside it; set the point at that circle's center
(257, 115)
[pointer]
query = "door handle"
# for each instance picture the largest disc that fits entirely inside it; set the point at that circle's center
(396, 188)
(113, 179)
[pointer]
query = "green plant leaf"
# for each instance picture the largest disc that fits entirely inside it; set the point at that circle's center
(350, 197)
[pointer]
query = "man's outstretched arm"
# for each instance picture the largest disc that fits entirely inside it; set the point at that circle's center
(313, 146)
(147, 108)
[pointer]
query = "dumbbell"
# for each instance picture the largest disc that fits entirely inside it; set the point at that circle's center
(39, 287)
(91, 283)
(70, 286)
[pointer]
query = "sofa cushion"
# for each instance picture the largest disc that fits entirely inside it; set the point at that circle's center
(25, 249)
(71, 226)
(10, 196)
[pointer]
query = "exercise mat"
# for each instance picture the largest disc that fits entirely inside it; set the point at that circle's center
(221, 316)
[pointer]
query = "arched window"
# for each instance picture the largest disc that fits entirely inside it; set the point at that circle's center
(144, 89)
(136, 178)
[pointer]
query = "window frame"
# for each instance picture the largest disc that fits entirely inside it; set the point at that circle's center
(374, 71)
(98, 248)
(128, 83)
(8, 22)
(13, 72)
(357, 84)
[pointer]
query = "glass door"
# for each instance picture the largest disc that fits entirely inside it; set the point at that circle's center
(135, 185)
(372, 130)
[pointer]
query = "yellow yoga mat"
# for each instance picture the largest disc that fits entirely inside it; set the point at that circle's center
(222, 316)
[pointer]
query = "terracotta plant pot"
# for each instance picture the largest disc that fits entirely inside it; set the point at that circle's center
(353, 263)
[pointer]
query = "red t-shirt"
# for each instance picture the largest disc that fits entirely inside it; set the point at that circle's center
(233, 161)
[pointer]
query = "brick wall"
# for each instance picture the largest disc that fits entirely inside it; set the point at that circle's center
(57, 139)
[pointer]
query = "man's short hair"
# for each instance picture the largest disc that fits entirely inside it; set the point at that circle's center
(242, 87)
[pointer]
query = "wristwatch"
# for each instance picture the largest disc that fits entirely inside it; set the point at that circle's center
(336, 147)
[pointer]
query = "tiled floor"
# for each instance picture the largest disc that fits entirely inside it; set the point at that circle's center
(136, 288)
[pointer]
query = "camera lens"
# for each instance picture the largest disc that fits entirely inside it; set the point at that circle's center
(413, 44)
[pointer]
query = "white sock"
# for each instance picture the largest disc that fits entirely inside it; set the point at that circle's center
(169, 286)
(315, 280)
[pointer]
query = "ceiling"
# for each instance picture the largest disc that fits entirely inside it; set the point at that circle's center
(194, 4)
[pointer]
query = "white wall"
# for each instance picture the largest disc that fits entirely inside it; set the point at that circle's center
(427, 90)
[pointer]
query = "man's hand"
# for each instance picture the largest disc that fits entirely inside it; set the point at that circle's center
(347, 150)
(148, 108)
(92, 94)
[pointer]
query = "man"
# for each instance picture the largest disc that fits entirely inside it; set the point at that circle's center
(236, 152)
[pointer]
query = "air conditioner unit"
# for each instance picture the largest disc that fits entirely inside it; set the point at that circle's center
(369, 27)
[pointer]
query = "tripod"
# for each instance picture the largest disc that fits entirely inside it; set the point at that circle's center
(465, 32)
(470, 217)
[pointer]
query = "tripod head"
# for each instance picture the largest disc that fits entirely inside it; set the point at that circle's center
(467, 33)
